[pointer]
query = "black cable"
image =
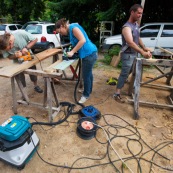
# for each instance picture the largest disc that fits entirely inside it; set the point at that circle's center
(114, 133)
(69, 111)
(77, 83)
(38, 60)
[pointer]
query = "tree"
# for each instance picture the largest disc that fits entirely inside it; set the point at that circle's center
(22, 11)
(89, 13)
(161, 11)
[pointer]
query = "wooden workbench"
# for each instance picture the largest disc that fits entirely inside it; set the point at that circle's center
(136, 82)
(14, 69)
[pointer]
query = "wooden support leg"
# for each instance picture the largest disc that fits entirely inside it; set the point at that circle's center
(14, 95)
(55, 94)
(55, 58)
(137, 88)
(49, 99)
(45, 93)
(170, 97)
(156, 78)
(64, 73)
(22, 89)
(169, 77)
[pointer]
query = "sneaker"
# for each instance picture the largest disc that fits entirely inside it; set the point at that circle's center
(38, 89)
(83, 99)
(118, 98)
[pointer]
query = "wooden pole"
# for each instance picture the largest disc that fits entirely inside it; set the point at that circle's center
(143, 4)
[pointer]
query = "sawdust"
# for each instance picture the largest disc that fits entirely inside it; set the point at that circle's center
(131, 139)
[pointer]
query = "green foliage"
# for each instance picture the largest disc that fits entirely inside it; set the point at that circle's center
(19, 11)
(77, 11)
(107, 59)
(112, 52)
(113, 11)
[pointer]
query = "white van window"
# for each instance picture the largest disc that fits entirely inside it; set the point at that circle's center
(167, 31)
(150, 31)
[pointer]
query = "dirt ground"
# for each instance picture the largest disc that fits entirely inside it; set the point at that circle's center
(146, 143)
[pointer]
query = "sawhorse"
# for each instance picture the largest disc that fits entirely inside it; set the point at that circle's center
(62, 65)
(12, 70)
(49, 93)
(136, 82)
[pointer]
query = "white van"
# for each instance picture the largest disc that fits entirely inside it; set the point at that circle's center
(153, 35)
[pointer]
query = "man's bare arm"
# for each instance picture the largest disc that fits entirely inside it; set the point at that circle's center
(127, 33)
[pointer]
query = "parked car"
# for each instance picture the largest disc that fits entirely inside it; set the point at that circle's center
(45, 34)
(9, 28)
(34, 22)
(153, 35)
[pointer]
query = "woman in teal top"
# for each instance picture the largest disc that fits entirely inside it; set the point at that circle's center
(86, 49)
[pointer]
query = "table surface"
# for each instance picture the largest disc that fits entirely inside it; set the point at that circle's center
(15, 68)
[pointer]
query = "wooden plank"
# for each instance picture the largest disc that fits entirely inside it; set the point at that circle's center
(152, 104)
(162, 62)
(43, 74)
(157, 85)
(156, 78)
(14, 107)
(15, 68)
(64, 64)
(51, 69)
(167, 51)
(115, 60)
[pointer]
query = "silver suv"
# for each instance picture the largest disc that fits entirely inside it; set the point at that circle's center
(153, 35)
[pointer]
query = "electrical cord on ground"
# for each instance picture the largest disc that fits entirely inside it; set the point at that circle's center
(69, 111)
(136, 156)
(103, 101)
(113, 147)
(139, 140)
(134, 136)
(133, 132)
(77, 83)
(53, 126)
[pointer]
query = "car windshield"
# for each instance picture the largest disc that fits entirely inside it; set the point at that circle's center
(28, 23)
(34, 29)
(2, 27)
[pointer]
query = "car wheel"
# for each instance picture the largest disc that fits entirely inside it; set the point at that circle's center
(50, 46)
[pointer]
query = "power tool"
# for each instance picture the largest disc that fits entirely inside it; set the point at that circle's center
(65, 57)
(27, 57)
(112, 81)
(18, 142)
